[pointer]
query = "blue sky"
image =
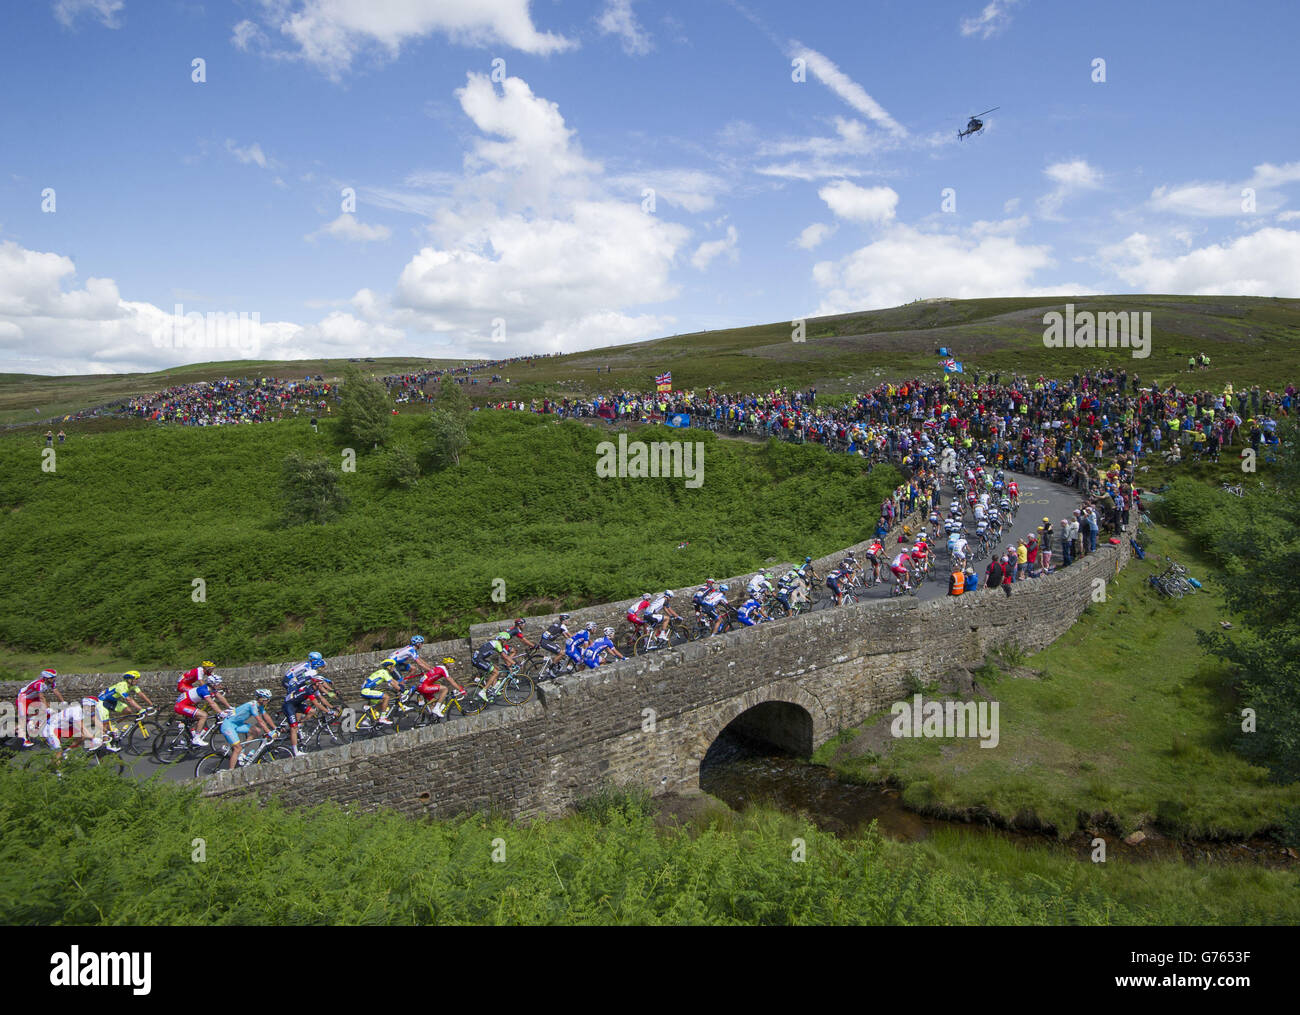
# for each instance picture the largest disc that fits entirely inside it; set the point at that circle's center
(501, 208)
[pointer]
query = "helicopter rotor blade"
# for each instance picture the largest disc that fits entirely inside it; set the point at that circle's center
(987, 111)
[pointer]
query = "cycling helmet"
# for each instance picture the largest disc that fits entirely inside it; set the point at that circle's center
(49, 675)
(807, 560)
(448, 661)
(521, 622)
(207, 664)
(214, 680)
(591, 625)
(724, 588)
(644, 595)
(315, 659)
(564, 616)
(417, 640)
(262, 694)
(388, 664)
(131, 675)
(609, 632)
(668, 593)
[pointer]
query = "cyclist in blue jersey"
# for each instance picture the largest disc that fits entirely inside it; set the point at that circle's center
(594, 655)
(579, 642)
(242, 719)
(751, 612)
(315, 662)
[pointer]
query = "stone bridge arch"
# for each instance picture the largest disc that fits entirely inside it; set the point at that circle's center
(784, 714)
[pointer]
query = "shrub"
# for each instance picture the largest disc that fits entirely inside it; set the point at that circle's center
(312, 490)
(447, 439)
(399, 468)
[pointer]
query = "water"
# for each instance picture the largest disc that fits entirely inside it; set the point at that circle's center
(743, 772)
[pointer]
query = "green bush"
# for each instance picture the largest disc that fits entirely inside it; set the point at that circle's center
(447, 439)
(311, 490)
(399, 468)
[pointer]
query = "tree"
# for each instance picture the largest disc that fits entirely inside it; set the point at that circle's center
(447, 439)
(311, 489)
(365, 410)
(452, 398)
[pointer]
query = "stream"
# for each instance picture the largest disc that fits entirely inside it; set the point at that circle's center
(740, 772)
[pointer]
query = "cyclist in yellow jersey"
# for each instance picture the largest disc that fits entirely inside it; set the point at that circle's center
(376, 688)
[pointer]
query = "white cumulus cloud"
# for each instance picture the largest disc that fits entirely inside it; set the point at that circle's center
(869, 205)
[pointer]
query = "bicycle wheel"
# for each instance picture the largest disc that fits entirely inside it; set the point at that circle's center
(277, 753)
(170, 746)
(141, 735)
(518, 688)
(209, 764)
(472, 704)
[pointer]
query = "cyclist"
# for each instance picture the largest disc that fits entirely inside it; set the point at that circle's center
(315, 661)
(79, 720)
(33, 702)
(899, 566)
(485, 660)
(921, 553)
(300, 695)
(121, 696)
(432, 686)
(377, 687)
(554, 638)
(833, 580)
(1013, 493)
(791, 590)
(659, 613)
(874, 552)
(714, 607)
(957, 546)
(408, 658)
(517, 631)
(578, 642)
(196, 676)
(751, 612)
(594, 655)
(760, 585)
(189, 705)
(636, 615)
(242, 719)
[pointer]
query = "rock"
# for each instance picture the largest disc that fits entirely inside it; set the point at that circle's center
(1135, 838)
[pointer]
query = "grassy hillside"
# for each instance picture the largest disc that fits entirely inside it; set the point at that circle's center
(1250, 340)
(100, 555)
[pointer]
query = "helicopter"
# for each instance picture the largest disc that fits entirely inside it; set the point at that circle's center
(976, 125)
